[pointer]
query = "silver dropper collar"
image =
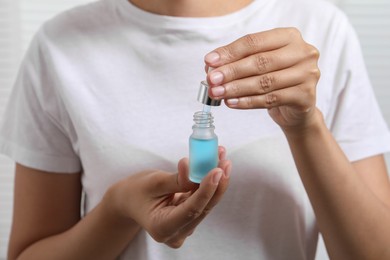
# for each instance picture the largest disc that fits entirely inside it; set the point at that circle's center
(203, 95)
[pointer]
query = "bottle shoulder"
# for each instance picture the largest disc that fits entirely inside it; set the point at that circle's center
(203, 133)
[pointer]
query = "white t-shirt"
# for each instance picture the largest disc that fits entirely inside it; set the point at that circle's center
(110, 90)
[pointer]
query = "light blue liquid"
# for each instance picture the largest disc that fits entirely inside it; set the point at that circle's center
(203, 157)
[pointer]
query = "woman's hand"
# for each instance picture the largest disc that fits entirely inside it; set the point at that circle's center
(168, 206)
(274, 69)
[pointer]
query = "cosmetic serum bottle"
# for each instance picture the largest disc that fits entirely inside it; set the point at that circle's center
(203, 141)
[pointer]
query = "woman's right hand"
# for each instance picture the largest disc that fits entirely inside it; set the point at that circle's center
(168, 206)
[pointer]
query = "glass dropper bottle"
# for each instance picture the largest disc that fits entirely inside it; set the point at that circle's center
(203, 141)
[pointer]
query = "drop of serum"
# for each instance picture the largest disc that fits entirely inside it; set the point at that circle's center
(203, 142)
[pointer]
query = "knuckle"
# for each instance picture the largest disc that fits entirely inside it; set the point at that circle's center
(234, 89)
(194, 213)
(271, 100)
(159, 179)
(158, 231)
(206, 211)
(261, 63)
(227, 52)
(251, 40)
(316, 73)
(309, 52)
(294, 32)
(265, 84)
(175, 244)
(314, 52)
(308, 97)
(313, 73)
(231, 72)
(158, 237)
(248, 102)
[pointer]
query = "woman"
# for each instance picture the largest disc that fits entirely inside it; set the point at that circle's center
(103, 104)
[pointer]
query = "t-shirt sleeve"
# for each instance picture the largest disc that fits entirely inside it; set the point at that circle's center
(355, 117)
(31, 133)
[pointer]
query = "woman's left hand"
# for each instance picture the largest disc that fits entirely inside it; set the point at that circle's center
(274, 69)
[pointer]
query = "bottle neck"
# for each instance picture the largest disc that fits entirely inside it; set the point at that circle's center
(203, 127)
(203, 119)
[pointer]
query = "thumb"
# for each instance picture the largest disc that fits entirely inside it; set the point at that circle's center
(167, 183)
(183, 176)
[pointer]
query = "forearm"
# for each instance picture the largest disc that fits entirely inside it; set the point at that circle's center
(354, 222)
(100, 235)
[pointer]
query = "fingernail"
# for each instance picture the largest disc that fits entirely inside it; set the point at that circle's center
(212, 57)
(210, 69)
(227, 172)
(218, 91)
(217, 177)
(216, 78)
(232, 101)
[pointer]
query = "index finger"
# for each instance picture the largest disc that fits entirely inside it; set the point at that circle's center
(250, 44)
(168, 183)
(194, 206)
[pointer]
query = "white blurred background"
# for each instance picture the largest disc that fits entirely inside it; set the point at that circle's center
(19, 20)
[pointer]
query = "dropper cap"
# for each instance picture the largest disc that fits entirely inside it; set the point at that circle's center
(203, 95)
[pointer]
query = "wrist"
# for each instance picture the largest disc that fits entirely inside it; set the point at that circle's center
(313, 124)
(111, 204)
